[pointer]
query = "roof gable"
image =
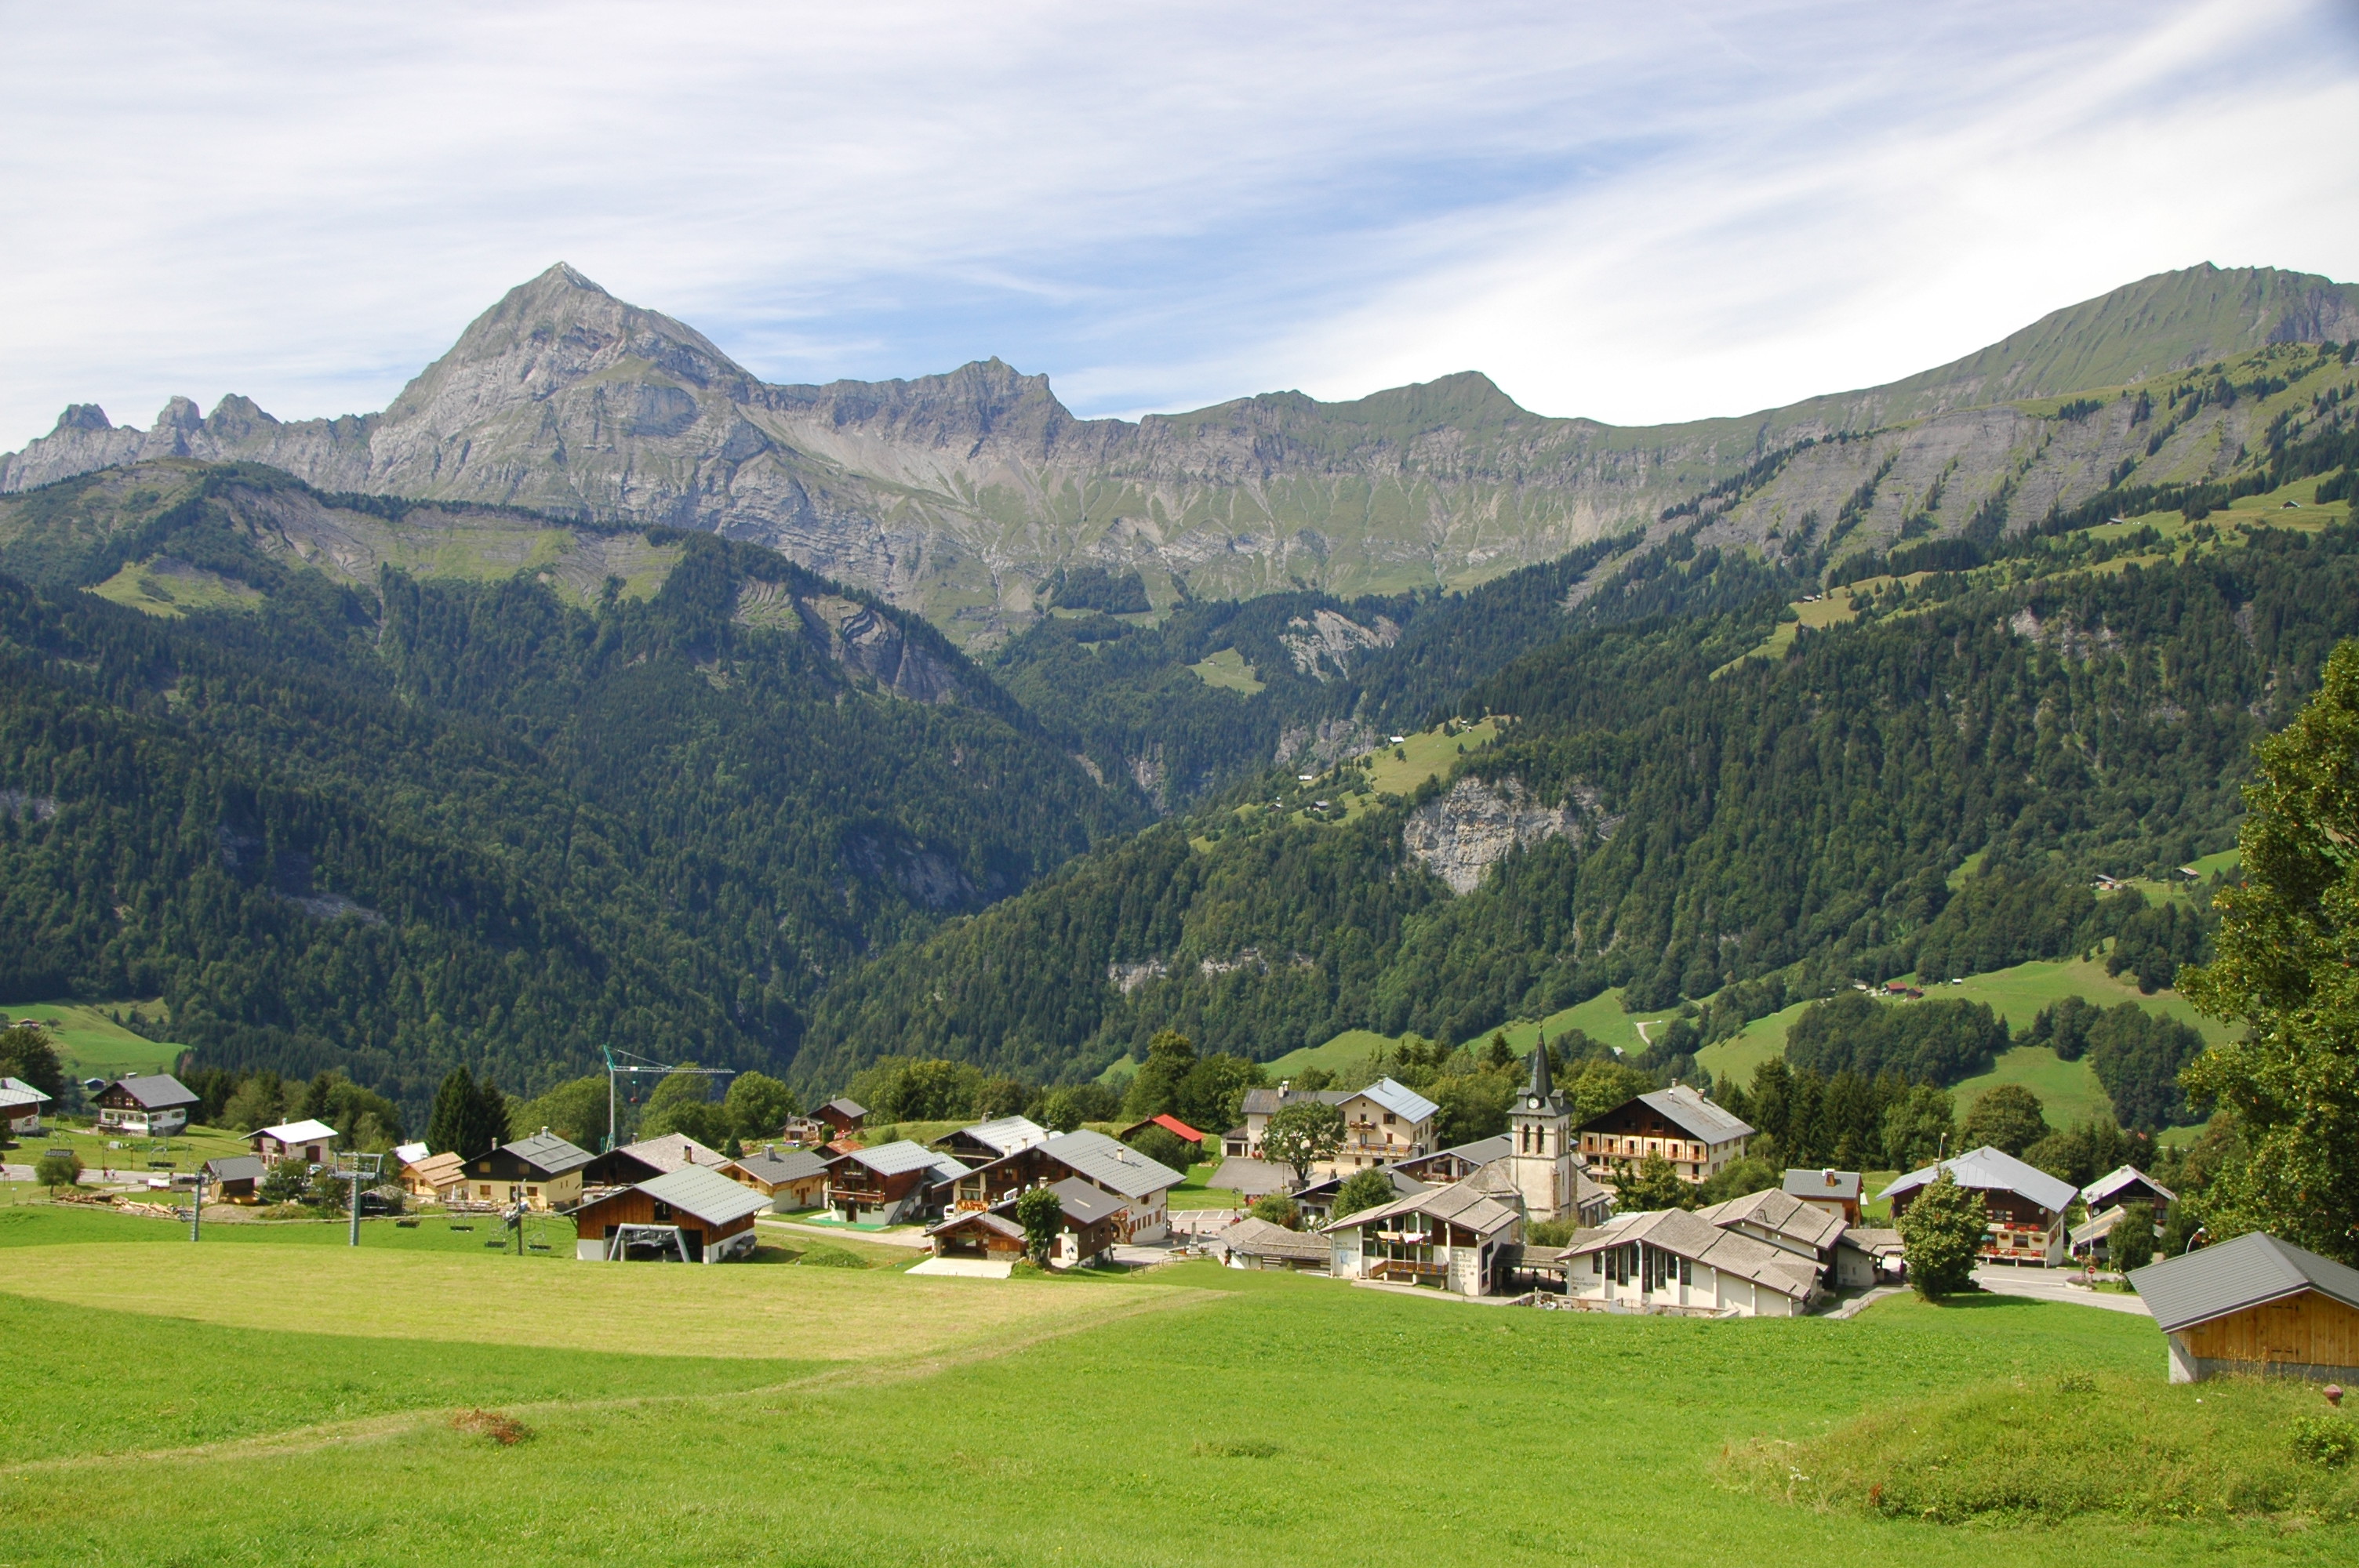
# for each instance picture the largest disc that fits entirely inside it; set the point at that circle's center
(902, 1156)
(706, 1194)
(548, 1153)
(297, 1133)
(155, 1091)
(1114, 1166)
(1006, 1134)
(1987, 1169)
(1397, 1097)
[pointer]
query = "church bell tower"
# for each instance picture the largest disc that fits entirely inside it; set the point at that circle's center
(1542, 1129)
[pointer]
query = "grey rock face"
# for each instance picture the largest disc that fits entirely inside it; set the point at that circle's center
(1460, 836)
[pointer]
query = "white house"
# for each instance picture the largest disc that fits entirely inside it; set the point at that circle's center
(1674, 1262)
(20, 1106)
(313, 1143)
(1384, 1122)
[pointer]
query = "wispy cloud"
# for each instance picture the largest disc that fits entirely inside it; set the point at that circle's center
(1638, 212)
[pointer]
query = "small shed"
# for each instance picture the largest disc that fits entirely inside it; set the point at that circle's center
(233, 1180)
(1252, 1243)
(2255, 1304)
(978, 1233)
(694, 1213)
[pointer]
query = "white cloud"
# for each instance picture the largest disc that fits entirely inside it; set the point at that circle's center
(1638, 212)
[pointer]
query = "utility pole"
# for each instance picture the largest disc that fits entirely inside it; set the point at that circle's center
(197, 1207)
(357, 1169)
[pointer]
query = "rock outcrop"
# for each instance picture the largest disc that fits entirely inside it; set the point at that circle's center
(1458, 836)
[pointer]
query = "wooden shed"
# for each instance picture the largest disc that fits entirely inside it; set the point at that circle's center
(2255, 1304)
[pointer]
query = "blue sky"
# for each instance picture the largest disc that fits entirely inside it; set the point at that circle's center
(1636, 212)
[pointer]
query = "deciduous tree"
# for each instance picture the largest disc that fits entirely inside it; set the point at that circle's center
(1042, 1215)
(1941, 1234)
(1302, 1135)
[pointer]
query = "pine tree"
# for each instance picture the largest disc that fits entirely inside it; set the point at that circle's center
(450, 1124)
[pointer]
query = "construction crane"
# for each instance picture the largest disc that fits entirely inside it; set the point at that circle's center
(631, 1062)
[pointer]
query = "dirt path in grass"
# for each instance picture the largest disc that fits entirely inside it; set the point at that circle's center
(877, 1374)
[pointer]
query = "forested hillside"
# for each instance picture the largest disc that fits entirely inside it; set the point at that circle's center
(399, 826)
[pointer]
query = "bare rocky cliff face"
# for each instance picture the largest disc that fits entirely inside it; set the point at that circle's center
(1458, 836)
(959, 495)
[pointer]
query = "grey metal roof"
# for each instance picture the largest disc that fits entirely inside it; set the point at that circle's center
(1006, 1134)
(1114, 1166)
(2100, 1192)
(1084, 1204)
(156, 1091)
(1823, 1184)
(1684, 1109)
(2253, 1269)
(1994, 1170)
(844, 1106)
(16, 1091)
(1460, 1202)
(794, 1165)
(902, 1156)
(1805, 1225)
(548, 1153)
(1398, 1098)
(236, 1168)
(701, 1191)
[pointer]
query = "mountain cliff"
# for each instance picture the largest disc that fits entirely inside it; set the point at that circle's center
(961, 495)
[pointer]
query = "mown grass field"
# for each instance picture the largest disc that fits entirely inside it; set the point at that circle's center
(91, 1043)
(1190, 1416)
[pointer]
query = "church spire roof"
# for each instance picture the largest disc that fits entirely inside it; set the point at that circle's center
(1543, 1087)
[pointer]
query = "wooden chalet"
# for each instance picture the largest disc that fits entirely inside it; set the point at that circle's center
(2256, 1305)
(1450, 1238)
(693, 1215)
(616, 1169)
(543, 1172)
(149, 1105)
(2024, 1206)
(1696, 1136)
(891, 1183)
(1835, 1191)
(313, 1143)
(2128, 1186)
(792, 1179)
(672, 1151)
(20, 1108)
(1170, 1124)
(987, 1233)
(1092, 1157)
(989, 1141)
(234, 1179)
(842, 1116)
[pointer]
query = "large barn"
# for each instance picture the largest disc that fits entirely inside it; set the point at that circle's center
(2255, 1304)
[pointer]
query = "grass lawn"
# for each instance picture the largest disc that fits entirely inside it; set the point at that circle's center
(1198, 1192)
(130, 1157)
(1198, 1416)
(1228, 670)
(93, 1046)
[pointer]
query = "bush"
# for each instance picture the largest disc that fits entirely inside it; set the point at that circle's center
(2329, 1441)
(1041, 1214)
(284, 1183)
(1363, 1190)
(2008, 1117)
(1278, 1209)
(1939, 1236)
(60, 1169)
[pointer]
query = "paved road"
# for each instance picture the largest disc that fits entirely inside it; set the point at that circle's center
(2049, 1285)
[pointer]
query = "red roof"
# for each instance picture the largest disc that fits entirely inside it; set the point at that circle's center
(1173, 1124)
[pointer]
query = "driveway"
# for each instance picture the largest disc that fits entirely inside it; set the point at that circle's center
(2052, 1285)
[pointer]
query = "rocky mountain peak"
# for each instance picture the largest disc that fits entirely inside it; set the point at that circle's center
(82, 416)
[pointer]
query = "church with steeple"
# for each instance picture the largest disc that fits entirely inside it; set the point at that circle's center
(1545, 1167)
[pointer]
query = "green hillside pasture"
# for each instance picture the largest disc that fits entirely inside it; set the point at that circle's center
(1238, 1429)
(1228, 670)
(2068, 1090)
(202, 1383)
(92, 1043)
(129, 1158)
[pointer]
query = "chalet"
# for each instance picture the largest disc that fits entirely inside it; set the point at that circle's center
(432, 1176)
(987, 1233)
(151, 1105)
(672, 1151)
(1457, 1162)
(1834, 1191)
(233, 1180)
(313, 1143)
(1449, 1239)
(2091, 1241)
(2255, 1304)
(1316, 1201)
(694, 1214)
(1812, 1232)
(20, 1108)
(1252, 1243)
(891, 1183)
(792, 1180)
(619, 1168)
(1674, 1262)
(1382, 1122)
(841, 1116)
(1094, 1221)
(2024, 1206)
(2128, 1185)
(1695, 1135)
(1095, 1158)
(1170, 1124)
(542, 1171)
(989, 1141)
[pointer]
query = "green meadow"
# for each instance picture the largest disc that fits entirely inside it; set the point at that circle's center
(90, 1042)
(260, 1404)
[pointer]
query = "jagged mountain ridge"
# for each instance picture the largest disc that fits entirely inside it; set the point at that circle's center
(959, 494)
